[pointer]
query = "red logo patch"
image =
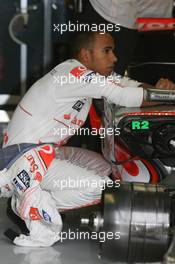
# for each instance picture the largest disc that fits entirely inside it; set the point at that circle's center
(47, 153)
(78, 71)
(34, 214)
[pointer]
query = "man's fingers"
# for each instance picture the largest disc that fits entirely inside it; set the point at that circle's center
(165, 84)
(160, 84)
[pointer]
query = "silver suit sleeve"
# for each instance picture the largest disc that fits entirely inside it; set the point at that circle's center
(154, 95)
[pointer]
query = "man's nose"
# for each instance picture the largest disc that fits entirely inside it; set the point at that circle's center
(113, 57)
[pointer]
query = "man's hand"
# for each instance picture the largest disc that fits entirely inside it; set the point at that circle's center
(165, 84)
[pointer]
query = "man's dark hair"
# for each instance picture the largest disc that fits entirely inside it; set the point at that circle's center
(82, 40)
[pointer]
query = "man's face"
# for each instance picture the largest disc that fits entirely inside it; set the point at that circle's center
(101, 56)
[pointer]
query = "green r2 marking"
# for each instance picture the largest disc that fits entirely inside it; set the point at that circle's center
(138, 125)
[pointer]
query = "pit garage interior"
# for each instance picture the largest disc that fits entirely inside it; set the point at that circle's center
(141, 214)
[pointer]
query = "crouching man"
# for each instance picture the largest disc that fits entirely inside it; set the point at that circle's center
(54, 107)
(39, 193)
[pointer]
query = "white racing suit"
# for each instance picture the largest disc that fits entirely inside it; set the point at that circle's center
(53, 109)
(42, 184)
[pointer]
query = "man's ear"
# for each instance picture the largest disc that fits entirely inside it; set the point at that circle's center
(85, 55)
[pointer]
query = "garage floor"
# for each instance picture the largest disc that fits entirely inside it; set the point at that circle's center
(66, 252)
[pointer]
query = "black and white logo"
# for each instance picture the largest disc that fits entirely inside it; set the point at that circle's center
(24, 178)
(88, 77)
(78, 106)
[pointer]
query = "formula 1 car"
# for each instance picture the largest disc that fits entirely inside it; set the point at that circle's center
(142, 147)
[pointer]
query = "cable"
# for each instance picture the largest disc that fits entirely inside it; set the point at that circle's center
(151, 62)
(25, 17)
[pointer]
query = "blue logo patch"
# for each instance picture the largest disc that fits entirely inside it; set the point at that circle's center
(46, 216)
(17, 185)
(88, 77)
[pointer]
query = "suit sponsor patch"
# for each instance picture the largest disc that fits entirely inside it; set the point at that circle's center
(18, 185)
(78, 106)
(24, 178)
(78, 71)
(88, 77)
(34, 214)
(21, 181)
(46, 216)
